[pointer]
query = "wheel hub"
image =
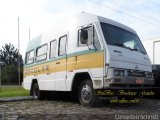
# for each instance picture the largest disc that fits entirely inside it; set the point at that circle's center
(86, 93)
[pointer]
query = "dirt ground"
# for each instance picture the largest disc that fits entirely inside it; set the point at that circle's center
(67, 109)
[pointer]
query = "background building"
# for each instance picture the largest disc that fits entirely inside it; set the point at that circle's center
(152, 47)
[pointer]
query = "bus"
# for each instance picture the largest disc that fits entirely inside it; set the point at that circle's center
(84, 54)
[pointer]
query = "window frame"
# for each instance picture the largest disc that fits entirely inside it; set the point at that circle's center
(78, 42)
(97, 34)
(50, 49)
(26, 59)
(42, 54)
(65, 45)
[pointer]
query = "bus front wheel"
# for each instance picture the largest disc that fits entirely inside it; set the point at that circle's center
(86, 94)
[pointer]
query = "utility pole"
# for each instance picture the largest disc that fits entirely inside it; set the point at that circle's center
(18, 62)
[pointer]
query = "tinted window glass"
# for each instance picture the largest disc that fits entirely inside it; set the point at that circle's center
(53, 49)
(62, 45)
(30, 57)
(120, 37)
(96, 40)
(41, 53)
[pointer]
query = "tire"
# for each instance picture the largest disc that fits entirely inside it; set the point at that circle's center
(37, 94)
(86, 94)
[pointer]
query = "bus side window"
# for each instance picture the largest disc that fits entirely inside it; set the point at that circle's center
(41, 53)
(85, 36)
(96, 42)
(30, 57)
(62, 45)
(53, 45)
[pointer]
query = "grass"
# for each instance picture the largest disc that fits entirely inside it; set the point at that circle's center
(12, 91)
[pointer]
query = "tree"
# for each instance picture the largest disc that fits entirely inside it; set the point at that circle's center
(9, 56)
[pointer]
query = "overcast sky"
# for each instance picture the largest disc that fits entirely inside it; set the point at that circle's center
(40, 15)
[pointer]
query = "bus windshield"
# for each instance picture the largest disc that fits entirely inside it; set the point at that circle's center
(122, 38)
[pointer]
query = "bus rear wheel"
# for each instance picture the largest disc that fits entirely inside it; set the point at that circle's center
(86, 94)
(37, 94)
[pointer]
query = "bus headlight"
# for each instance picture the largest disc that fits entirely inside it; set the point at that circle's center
(118, 72)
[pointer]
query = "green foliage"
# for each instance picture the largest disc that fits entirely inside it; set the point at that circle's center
(9, 69)
(11, 91)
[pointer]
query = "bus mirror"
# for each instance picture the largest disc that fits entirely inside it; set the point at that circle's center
(84, 36)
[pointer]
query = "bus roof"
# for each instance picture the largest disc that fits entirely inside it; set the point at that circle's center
(76, 21)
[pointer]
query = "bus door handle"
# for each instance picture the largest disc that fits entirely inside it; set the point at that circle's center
(57, 62)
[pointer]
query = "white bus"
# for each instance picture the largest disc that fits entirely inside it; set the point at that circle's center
(84, 54)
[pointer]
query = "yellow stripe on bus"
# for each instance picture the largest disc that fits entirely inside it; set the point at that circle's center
(92, 60)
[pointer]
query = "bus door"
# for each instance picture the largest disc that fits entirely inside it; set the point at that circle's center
(61, 64)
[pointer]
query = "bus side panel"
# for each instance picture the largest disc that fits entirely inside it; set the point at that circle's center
(91, 63)
(27, 82)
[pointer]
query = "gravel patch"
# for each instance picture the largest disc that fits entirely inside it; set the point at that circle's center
(70, 110)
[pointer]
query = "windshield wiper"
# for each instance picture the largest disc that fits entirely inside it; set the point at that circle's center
(122, 45)
(138, 50)
(134, 49)
(143, 52)
(119, 44)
